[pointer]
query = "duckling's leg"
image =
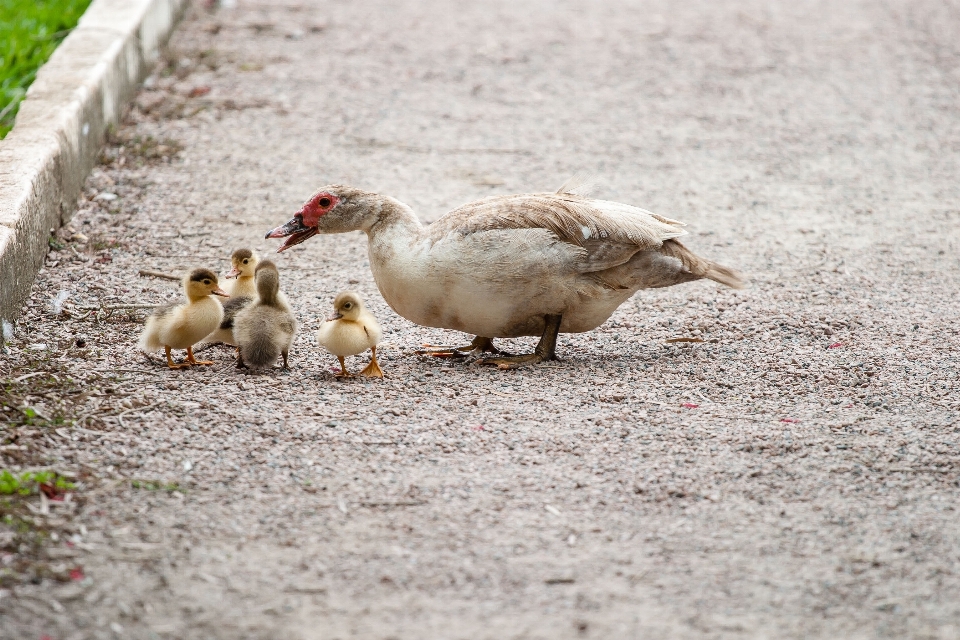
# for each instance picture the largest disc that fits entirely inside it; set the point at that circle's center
(285, 365)
(172, 364)
(546, 348)
(343, 369)
(240, 363)
(373, 369)
(193, 360)
(479, 346)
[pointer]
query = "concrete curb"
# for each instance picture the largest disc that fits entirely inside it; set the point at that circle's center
(61, 126)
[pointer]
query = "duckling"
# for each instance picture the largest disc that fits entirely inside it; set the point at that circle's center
(224, 333)
(242, 292)
(180, 325)
(265, 328)
(349, 331)
(244, 263)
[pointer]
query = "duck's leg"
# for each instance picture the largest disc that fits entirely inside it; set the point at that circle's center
(171, 363)
(373, 369)
(240, 362)
(193, 360)
(343, 369)
(285, 365)
(480, 345)
(546, 348)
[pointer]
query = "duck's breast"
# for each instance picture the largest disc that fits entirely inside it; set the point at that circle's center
(343, 338)
(491, 283)
(191, 323)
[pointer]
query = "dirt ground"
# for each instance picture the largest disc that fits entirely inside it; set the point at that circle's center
(793, 475)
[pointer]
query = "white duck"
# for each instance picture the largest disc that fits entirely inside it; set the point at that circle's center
(508, 266)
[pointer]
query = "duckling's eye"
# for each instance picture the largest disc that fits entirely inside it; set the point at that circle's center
(324, 202)
(206, 282)
(348, 305)
(245, 261)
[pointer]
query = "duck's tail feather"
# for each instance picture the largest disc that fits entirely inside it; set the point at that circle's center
(580, 184)
(701, 267)
(149, 342)
(260, 351)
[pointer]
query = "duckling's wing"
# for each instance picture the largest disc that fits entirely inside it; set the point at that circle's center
(231, 308)
(164, 310)
(584, 222)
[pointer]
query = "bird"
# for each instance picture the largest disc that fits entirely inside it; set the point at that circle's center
(351, 330)
(534, 264)
(264, 329)
(180, 325)
(224, 332)
(243, 264)
(242, 291)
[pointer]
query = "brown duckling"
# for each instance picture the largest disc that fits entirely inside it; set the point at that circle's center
(265, 328)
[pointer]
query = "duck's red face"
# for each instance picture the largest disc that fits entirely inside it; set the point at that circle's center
(305, 222)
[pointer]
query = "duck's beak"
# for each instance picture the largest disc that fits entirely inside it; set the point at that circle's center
(220, 292)
(234, 273)
(336, 316)
(295, 229)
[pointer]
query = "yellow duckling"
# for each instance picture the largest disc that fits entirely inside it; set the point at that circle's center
(265, 328)
(349, 331)
(180, 325)
(242, 292)
(244, 266)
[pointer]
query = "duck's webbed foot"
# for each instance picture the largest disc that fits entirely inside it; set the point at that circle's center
(546, 349)
(172, 364)
(193, 360)
(373, 369)
(343, 370)
(475, 349)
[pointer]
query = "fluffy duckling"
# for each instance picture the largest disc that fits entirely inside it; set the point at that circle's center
(180, 325)
(244, 267)
(349, 331)
(265, 328)
(224, 333)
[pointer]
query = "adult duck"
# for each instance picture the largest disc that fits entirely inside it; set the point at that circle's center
(507, 266)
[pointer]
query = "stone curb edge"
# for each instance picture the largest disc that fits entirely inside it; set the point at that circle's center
(62, 124)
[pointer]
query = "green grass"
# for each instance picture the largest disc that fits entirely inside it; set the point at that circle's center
(29, 482)
(29, 32)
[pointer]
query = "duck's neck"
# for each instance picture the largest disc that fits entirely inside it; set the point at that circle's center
(393, 218)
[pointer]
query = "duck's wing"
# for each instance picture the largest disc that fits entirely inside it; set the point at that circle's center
(608, 232)
(231, 308)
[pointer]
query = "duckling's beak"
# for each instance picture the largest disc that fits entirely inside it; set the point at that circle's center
(336, 316)
(297, 231)
(220, 292)
(234, 273)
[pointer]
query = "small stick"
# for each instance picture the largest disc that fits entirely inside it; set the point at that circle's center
(158, 274)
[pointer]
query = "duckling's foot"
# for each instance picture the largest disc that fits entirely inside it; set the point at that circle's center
(173, 365)
(480, 345)
(373, 369)
(343, 370)
(193, 360)
(546, 349)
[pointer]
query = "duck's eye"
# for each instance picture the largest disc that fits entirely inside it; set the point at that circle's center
(245, 261)
(206, 282)
(348, 305)
(324, 202)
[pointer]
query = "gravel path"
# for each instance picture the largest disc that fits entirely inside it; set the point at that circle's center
(795, 474)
